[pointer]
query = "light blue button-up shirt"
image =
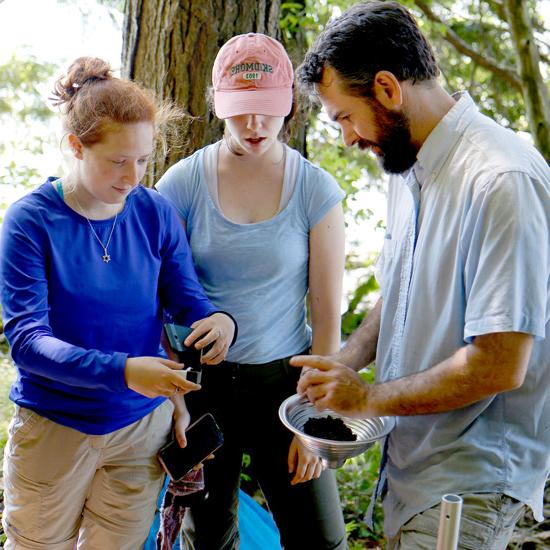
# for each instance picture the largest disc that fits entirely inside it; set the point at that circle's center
(467, 253)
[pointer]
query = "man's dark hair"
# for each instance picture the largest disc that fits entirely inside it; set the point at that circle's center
(367, 38)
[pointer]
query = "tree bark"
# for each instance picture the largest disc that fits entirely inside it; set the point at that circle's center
(170, 45)
(535, 92)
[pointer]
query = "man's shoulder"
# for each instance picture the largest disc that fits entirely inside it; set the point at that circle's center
(488, 149)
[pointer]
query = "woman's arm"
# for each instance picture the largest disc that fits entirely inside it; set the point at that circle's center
(35, 348)
(185, 299)
(25, 309)
(180, 291)
(326, 270)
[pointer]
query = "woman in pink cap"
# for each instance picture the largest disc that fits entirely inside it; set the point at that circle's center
(266, 230)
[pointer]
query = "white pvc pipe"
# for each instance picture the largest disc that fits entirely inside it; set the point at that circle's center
(449, 522)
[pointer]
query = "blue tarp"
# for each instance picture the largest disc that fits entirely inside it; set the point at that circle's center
(256, 526)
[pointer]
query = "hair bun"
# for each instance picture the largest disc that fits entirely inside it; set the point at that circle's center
(83, 71)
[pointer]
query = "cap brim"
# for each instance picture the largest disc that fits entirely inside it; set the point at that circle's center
(270, 102)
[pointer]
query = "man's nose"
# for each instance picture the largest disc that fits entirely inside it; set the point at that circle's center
(349, 137)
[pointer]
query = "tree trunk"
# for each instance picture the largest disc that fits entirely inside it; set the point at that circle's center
(535, 92)
(170, 46)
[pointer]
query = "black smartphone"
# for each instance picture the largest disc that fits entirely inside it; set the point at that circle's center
(189, 356)
(203, 438)
(176, 334)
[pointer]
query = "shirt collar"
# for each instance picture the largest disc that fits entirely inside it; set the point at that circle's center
(439, 143)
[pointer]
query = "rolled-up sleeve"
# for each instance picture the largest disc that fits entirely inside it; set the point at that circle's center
(506, 248)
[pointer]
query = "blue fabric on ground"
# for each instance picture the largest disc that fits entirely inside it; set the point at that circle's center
(151, 542)
(256, 526)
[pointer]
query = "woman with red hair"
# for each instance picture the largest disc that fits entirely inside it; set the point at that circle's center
(90, 262)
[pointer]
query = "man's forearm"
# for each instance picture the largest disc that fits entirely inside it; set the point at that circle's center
(491, 365)
(360, 348)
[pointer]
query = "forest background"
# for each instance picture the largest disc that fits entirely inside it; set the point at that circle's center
(497, 50)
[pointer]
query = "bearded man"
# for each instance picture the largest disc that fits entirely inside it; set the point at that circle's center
(460, 334)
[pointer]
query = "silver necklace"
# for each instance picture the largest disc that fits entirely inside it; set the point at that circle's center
(106, 257)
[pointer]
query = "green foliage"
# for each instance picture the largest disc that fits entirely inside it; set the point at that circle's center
(290, 19)
(356, 311)
(245, 476)
(356, 483)
(482, 26)
(353, 169)
(19, 97)
(16, 173)
(24, 116)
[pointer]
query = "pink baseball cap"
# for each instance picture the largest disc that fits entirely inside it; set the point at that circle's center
(252, 75)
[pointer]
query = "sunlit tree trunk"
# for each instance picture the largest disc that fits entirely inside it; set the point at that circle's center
(170, 46)
(535, 92)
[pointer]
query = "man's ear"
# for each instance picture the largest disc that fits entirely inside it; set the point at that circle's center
(76, 146)
(387, 90)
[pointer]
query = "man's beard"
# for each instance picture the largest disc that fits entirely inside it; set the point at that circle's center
(398, 153)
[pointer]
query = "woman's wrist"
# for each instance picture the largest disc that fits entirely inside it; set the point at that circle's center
(180, 408)
(236, 327)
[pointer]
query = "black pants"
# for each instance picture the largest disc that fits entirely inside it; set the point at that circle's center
(245, 400)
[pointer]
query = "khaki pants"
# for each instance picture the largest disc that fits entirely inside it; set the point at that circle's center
(487, 523)
(65, 488)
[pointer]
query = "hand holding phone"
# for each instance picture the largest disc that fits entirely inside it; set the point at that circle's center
(156, 376)
(203, 438)
(213, 335)
(189, 356)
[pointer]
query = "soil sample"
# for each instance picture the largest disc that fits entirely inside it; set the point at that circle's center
(329, 427)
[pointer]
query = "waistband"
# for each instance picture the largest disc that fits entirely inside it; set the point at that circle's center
(253, 370)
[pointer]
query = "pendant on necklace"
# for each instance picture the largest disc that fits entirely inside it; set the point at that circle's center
(106, 257)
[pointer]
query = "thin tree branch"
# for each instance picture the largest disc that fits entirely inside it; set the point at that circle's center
(498, 9)
(506, 74)
(543, 57)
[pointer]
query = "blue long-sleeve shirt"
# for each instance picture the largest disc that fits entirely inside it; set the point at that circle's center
(72, 320)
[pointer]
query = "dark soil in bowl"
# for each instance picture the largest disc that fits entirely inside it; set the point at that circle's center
(329, 427)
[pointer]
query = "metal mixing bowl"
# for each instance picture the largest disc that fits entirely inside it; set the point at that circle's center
(296, 410)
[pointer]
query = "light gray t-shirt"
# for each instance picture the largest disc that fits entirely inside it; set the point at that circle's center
(257, 272)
